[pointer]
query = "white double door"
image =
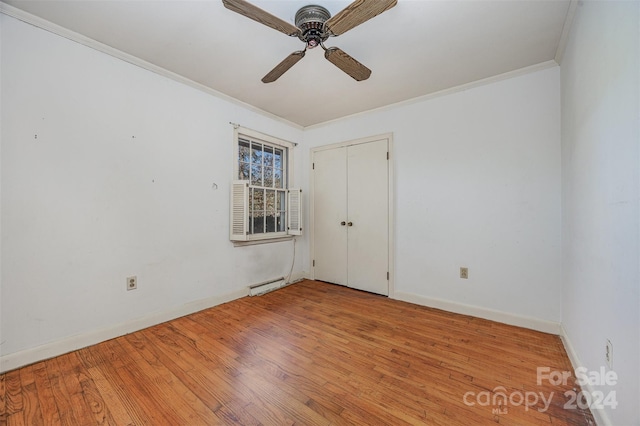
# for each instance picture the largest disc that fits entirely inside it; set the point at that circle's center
(351, 215)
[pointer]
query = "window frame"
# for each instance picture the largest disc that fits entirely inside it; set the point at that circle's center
(241, 133)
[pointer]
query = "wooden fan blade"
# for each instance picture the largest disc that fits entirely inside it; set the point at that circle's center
(283, 67)
(347, 64)
(356, 13)
(254, 12)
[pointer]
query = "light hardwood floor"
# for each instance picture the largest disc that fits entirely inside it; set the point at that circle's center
(309, 354)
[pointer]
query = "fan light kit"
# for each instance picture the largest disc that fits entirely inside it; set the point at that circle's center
(314, 25)
(310, 20)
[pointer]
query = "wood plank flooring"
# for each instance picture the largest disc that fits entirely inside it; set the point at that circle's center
(309, 354)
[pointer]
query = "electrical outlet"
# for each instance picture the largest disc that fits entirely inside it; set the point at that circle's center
(608, 354)
(464, 272)
(132, 283)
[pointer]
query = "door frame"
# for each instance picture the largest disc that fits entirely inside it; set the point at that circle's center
(390, 198)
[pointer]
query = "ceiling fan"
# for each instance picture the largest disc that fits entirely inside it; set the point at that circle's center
(314, 25)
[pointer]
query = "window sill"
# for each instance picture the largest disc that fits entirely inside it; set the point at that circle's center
(266, 240)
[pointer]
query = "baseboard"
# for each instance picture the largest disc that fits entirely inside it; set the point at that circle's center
(50, 350)
(480, 312)
(600, 416)
(298, 276)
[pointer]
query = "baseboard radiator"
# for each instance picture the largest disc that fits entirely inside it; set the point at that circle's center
(265, 287)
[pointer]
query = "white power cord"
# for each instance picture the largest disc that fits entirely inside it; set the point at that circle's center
(292, 263)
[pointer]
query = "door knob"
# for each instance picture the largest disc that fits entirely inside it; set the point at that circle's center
(350, 223)
(343, 223)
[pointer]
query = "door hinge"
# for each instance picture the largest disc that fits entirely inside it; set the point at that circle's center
(387, 155)
(314, 262)
(313, 166)
(387, 276)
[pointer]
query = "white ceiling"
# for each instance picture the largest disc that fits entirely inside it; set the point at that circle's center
(417, 48)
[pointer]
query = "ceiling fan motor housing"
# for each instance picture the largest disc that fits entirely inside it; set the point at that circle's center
(310, 19)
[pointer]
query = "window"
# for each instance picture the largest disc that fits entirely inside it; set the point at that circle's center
(261, 203)
(263, 165)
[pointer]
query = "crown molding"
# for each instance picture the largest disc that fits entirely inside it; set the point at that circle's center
(58, 30)
(566, 30)
(449, 91)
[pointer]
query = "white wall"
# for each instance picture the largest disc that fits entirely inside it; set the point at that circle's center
(600, 161)
(477, 184)
(108, 170)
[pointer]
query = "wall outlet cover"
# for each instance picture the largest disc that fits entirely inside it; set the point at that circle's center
(464, 272)
(132, 283)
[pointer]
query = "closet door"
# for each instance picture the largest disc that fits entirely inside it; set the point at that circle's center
(351, 215)
(330, 215)
(368, 214)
